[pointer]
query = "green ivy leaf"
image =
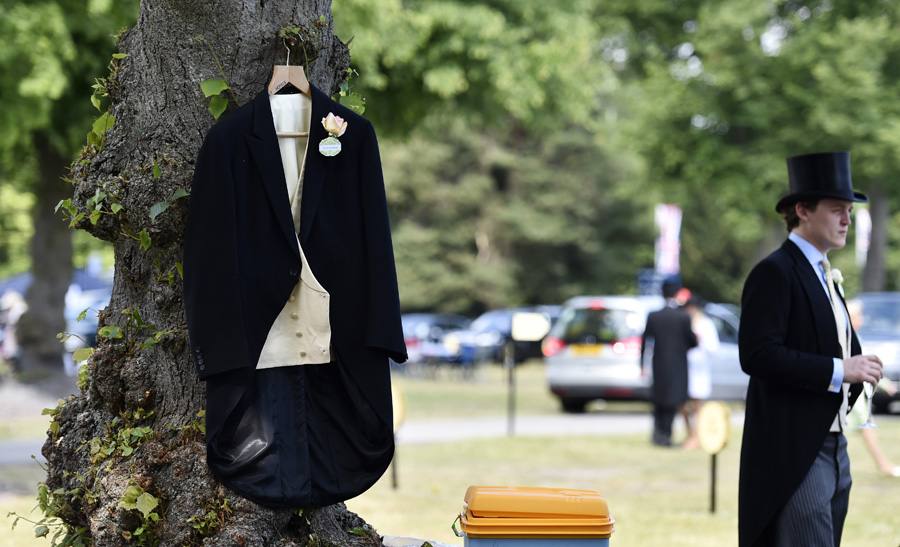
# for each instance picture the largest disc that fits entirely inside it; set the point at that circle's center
(146, 503)
(144, 238)
(180, 267)
(157, 209)
(65, 204)
(355, 102)
(95, 216)
(116, 207)
(82, 315)
(213, 87)
(119, 55)
(156, 170)
(110, 331)
(82, 354)
(178, 194)
(103, 124)
(83, 377)
(217, 106)
(130, 496)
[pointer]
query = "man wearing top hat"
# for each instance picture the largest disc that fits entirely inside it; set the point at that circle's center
(799, 348)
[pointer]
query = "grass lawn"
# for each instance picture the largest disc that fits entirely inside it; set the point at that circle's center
(30, 427)
(444, 394)
(658, 496)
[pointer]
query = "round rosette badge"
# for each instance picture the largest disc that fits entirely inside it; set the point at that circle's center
(335, 126)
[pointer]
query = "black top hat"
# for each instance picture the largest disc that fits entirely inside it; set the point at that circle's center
(818, 176)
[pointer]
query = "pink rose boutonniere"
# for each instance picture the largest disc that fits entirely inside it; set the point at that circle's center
(335, 126)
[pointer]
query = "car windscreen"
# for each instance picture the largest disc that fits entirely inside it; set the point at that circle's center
(880, 318)
(599, 326)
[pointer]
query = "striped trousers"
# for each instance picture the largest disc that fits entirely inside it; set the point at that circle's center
(814, 515)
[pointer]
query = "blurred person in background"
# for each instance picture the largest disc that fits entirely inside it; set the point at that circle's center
(12, 306)
(668, 333)
(859, 412)
(699, 378)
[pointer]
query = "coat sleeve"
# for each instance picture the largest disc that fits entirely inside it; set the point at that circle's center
(765, 317)
(647, 335)
(212, 296)
(383, 327)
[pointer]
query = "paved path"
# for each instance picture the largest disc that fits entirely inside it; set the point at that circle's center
(435, 431)
(440, 431)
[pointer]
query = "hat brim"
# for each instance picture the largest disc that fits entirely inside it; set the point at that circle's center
(790, 199)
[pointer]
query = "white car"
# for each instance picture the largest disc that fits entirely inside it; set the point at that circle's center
(878, 327)
(593, 351)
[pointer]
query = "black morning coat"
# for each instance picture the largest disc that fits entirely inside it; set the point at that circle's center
(787, 342)
(670, 330)
(296, 436)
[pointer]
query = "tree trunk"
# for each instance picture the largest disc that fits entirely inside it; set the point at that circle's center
(133, 436)
(51, 267)
(873, 273)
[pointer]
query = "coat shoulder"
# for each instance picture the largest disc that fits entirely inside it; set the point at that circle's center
(778, 264)
(231, 124)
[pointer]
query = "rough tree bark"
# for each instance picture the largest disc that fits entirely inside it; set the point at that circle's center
(134, 428)
(51, 266)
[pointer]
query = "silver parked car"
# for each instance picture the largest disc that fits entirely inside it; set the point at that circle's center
(878, 327)
(593, 351)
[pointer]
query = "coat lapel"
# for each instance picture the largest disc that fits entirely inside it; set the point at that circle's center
(823, 317)
(263, 145)
(314, 174)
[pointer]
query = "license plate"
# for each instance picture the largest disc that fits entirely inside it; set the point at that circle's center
(586, 350)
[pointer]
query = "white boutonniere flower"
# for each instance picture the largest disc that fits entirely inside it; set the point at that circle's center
(839, 279)
(335, 126)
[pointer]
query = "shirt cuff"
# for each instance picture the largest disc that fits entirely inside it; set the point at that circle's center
(837, 376)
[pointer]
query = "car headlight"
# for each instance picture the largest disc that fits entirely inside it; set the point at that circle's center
(452, 343)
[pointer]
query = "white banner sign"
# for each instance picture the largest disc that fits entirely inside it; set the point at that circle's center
(668, 243)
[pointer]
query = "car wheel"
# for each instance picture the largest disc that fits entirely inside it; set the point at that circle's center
(573, 406)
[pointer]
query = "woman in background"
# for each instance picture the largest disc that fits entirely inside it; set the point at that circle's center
(860, 410)
(699, 380)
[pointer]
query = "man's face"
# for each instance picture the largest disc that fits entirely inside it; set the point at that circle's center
(826, 226)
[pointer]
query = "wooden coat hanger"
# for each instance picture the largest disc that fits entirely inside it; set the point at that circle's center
(287, 74)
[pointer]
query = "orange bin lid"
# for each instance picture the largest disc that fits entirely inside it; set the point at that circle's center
(511, 511)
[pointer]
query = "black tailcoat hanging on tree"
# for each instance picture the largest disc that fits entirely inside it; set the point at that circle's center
(307, 435)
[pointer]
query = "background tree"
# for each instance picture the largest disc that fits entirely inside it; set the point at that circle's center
(126, 458)
(733, 87)
(51, 52)
(506, 181)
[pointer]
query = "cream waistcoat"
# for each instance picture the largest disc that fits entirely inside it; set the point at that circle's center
(301, 334)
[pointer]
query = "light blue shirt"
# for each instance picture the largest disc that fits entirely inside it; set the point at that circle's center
(815, 257)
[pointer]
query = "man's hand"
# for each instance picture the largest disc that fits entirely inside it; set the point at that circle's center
(863, 368)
